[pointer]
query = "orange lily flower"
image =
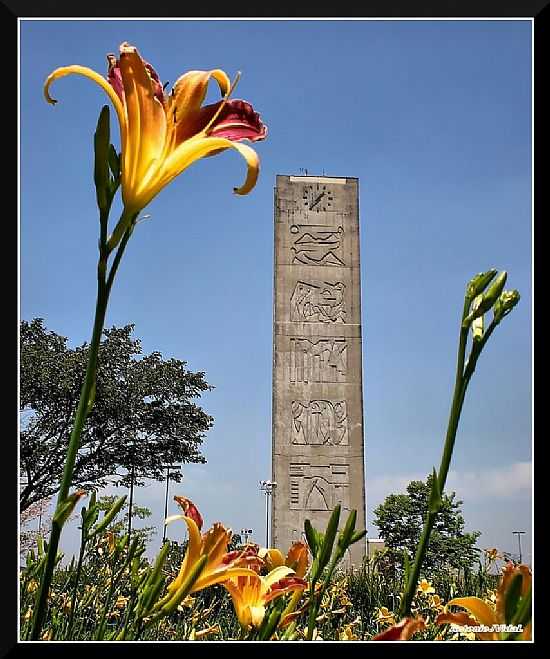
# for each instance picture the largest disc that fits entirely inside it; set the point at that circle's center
(402, 631)
(251, 594)
(161, 135)
(483, 614)
(221, 565)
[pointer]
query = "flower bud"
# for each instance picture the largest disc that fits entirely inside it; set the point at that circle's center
(65, 509)
(479, 283)
(101, 164)
(109, 516)
(488, 299)
(505, 303)
(477, 323)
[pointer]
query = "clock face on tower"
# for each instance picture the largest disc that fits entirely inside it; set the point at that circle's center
(317, 197)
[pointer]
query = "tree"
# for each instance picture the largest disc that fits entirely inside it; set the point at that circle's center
(143, 415)
(28, 535)
(400, 519)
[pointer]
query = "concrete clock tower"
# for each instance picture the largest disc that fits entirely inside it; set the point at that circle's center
(317, 451)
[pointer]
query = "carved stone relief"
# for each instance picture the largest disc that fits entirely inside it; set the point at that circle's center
(324, 360)
(318, 244)
(320, 302)
(319, 422)
(318, 487)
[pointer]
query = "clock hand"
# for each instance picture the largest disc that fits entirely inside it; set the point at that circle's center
(317, 200)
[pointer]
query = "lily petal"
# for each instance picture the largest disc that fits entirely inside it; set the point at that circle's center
(284, 586)
(146, 119)
(275, 575)
(193, 149)
(191, 557)
(187, 97)
(238, 121)
(483, 613)
(221, 576)
(402, 631)
(100, 80)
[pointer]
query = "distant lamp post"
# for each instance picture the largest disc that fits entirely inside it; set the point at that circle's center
(519, 534)
(168, 468)
(246, 533)
(267, 487)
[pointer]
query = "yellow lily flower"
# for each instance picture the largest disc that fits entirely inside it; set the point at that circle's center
(220, 565)
(384, 616)
(297, 558)
(161, 135)
(425, 587)
(480, 612)
(251, 594)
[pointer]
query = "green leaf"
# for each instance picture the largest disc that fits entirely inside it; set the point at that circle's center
(271, 621)
(357, 536)
(109, 516)
(313, 537)
(330, 534)
(513, 594)
(344, 537)
(186, 586)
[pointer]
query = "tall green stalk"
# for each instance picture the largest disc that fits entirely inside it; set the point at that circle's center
(476, 303)
(104, 284)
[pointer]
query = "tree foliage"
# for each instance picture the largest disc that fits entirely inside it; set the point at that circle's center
(400, 520)
(143, 415)
(120, 526)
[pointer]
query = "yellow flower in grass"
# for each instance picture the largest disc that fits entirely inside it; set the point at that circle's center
(32, 586)
(197, 635)
(385, 617)
(163, 134)
(436, 603)
(121, 602)
(251, 594)
(315, 636)
(483, 613)
(425, 587)
(347, 634)
(492, 554)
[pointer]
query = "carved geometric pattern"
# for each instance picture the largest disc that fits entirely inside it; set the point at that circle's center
(324, 360)
(319, 422)
(318, 244)
(321, 302)
(318, 487)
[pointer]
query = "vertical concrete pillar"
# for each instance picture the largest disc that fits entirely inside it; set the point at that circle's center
(317, 451)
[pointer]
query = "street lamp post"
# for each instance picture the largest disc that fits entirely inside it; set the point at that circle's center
(246, 533)
(519, 534)
(267, 487)
(168, 468)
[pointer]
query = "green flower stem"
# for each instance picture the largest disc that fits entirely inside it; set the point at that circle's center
(75, 587)
(461, 383)
(104, 285)
(315, 602)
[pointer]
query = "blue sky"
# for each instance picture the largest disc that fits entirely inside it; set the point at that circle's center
(432, 117)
